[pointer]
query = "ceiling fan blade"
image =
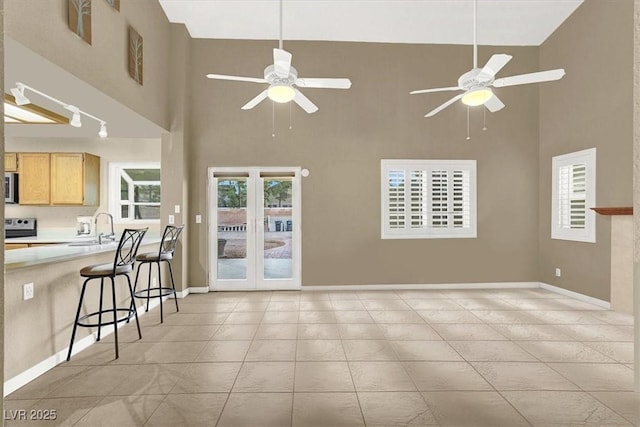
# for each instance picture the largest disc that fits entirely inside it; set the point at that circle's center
(255, 101)
(281, 62)
(523, 79)
(304, 102)
(236, 78)
(495, 64)
(494, 104)
(443, 106)
(439, 89)
(324, 83)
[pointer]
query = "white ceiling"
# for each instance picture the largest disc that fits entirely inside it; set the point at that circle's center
(500, 22)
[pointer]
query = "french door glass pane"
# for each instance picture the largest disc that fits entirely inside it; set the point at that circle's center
(278, 228)
(232, 228)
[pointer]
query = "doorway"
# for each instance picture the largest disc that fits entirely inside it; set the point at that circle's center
(254, 232)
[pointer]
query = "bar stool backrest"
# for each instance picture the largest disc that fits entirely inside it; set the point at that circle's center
(128, 246)
(169, 240)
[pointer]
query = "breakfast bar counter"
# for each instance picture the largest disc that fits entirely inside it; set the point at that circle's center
(38, 329)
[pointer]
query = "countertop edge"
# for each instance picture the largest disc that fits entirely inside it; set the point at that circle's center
(30, 257)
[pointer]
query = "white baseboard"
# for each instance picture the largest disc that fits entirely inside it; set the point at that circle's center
(435, 286)
(576, 295)
(198, 290)
(40, 368)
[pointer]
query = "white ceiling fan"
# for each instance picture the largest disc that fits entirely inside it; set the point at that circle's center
(282, 77)
(477, 83)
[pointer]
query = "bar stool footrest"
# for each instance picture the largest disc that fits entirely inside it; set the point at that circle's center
(161, 292)
(131, 313)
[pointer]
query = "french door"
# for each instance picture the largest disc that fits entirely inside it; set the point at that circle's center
(254, 228)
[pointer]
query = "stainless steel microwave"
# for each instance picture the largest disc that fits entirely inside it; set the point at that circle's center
(11, 187)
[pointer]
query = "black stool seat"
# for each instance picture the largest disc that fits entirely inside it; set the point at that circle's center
(105, 270)
(154, 257)
(165, 254)
(122, 265)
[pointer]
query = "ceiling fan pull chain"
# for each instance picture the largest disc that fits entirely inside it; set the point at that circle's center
(484, 118)
(468, 137)
(290, 118)
(273, 119)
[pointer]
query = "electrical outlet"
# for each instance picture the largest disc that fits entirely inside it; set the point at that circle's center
(558, 272)
(172, 219)
(27, 291)
(198, 219)
(176, 209)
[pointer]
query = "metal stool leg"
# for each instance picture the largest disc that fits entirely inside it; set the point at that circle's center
(100, 307)
(115, 313)
(159, 289)
(173, 285)
(75, 323)
(135, 286)
(135, 312)
(148, 287)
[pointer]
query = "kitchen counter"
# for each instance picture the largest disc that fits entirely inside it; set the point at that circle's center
(19, 258)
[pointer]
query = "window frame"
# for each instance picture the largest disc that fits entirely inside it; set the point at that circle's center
(115, 174)
(427, 232)
(588, 233)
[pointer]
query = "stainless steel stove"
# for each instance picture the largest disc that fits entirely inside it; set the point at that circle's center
(20, 227)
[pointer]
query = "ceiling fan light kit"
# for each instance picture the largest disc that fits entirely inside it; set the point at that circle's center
(475, 97)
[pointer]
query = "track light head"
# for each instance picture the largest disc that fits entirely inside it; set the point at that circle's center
(103, 130)
(18, 94)
(75, 119)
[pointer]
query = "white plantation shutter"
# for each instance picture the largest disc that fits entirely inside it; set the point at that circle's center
(573, 194)
(428, 198)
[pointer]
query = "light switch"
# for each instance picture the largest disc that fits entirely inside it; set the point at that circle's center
(198, 219)
(176, 209)
(172, 219)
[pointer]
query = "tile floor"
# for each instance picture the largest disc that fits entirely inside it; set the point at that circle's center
(376, 358)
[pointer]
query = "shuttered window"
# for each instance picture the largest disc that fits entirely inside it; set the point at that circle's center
(573, 195)
(428, 199)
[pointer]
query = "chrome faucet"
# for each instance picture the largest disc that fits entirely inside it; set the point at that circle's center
(101, 236)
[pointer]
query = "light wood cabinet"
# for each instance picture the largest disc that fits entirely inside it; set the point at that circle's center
(11, 162)
(75, 179)
(10, 246)
(59, 179)
(35, 177)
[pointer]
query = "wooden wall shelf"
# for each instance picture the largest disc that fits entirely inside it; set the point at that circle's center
(614, 211)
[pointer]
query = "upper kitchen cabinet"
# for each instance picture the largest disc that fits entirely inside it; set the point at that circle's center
(10, 162)
(35, 175)
(59, 179)
(75, 179)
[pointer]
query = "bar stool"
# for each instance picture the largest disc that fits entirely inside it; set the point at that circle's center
(165, 254)
(122, 265)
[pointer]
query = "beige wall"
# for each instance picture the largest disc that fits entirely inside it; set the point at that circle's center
(592, 107)
(342, 145)
(110, 150)
(42, 27)
(2, 191)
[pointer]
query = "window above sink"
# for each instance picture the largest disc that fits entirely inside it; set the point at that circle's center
(134, 192)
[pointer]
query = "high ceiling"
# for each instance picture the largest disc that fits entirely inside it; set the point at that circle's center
(500, 22)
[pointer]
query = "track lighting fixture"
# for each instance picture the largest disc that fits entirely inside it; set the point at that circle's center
(103, 130)
(18, 94)
(21, 99)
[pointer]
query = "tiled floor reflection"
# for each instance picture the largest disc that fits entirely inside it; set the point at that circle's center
(373, 358)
